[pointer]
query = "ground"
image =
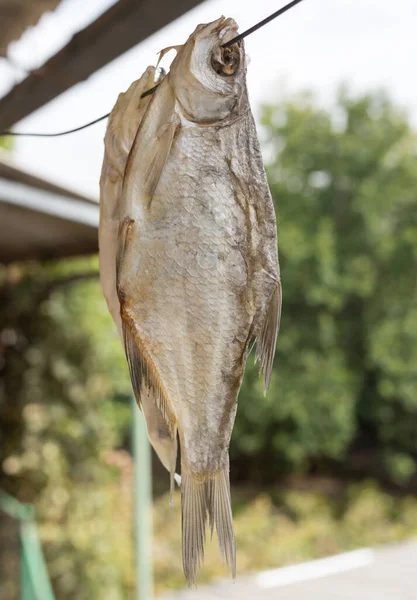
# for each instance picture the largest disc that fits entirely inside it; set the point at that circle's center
(385, 573)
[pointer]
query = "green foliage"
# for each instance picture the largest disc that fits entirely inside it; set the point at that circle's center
(61, 370)
(345, 187)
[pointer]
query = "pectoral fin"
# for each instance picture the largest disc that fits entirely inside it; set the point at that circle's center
(150, 149)
(158, 155)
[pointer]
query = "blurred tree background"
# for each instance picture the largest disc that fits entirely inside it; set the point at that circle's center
(344, 390)
(64, 408)
(342, 403)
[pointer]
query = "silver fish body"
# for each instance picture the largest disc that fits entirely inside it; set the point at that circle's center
(190, 267)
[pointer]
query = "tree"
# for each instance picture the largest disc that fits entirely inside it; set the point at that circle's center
(344, 386)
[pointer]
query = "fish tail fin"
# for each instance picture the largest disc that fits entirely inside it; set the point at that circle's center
(221, 516)
(206, 498)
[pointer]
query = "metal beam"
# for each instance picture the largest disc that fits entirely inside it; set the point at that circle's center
(42, 224)
(120, 28)
(19, 194)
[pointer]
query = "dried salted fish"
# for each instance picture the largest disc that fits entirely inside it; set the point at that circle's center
(189, 265)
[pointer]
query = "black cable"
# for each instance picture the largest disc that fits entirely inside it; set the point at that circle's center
(17, 133)
(151, 90)
(260, 24)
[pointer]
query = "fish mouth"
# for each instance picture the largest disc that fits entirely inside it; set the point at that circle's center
(226, 61)
(224, 28)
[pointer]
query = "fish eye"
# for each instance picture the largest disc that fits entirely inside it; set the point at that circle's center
(226, 61)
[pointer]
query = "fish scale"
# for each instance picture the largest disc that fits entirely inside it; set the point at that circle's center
(189, 265)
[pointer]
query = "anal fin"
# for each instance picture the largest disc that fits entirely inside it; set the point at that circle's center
(142, 370)
(151, 398)
(141, 366)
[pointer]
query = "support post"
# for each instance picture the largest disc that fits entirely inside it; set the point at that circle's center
(142, 505)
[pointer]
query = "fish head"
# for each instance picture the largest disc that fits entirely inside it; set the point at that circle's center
(209, 81)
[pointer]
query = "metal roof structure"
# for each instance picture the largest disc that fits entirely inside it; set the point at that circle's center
(17, 15)
(122, 26)
(39, 220)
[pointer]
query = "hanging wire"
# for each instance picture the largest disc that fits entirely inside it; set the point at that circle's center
(265, 21)
(18, 133)
(235, 40)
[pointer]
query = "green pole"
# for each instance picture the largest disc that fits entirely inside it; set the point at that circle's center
(142, 505)
(35, 582)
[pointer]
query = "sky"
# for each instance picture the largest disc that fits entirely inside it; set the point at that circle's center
(317, 45)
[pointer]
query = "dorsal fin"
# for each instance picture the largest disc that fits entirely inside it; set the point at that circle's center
(266, 340)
